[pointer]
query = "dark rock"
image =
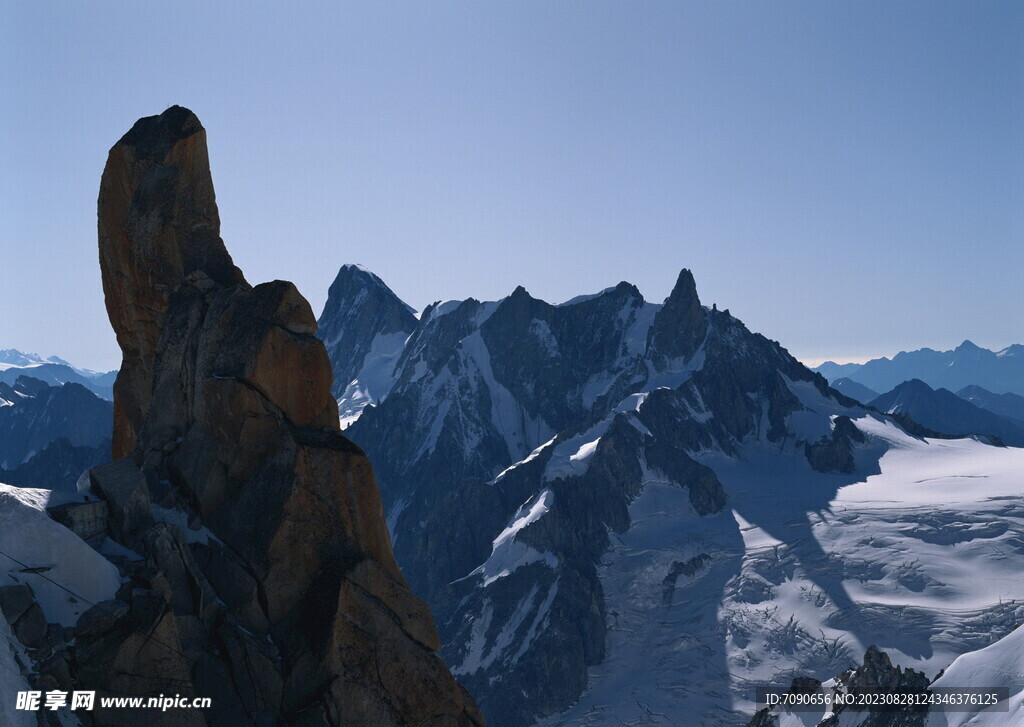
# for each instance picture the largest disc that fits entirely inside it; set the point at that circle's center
(31, 628)
(100, 618)
(15, 601)
(686, 568)
(835, 453)
(88, 520)
(255, 673)
(123, 486)
(294, 606)
(681, 325)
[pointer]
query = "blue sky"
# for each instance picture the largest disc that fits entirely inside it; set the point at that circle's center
(846, 177)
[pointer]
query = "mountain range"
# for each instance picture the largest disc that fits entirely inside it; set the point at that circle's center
(617, 511)
(998, 371)
(621, 510)
(943, 411)
(53, 371)
(33, 414)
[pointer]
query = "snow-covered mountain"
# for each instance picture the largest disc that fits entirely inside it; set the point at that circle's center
(630, 512)
(944, 411)
(34, 414)
(997, 371)
(54, 371)
(364, 326)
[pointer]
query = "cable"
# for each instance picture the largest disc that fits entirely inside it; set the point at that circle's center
(96, 605)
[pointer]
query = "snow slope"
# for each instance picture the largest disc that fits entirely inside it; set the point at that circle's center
(28, 535)
(1001, 664)
(921, 554)
(11, 680)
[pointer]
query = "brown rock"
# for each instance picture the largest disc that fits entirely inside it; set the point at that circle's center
(223, 401)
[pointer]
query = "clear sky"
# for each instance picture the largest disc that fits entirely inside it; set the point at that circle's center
(846, 177)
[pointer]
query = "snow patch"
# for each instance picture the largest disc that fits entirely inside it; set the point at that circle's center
(375, 378)
(507, 555)
(28, 535)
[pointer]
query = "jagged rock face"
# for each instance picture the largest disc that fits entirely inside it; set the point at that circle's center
(158, 223)
(515, 436)
(876, 676)
(834, 453)
(680, 326)
(292, 609)
(362, 318)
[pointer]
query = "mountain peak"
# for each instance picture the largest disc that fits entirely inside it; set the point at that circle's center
(680, 326)
(153, 136)
(914, 385)
(361, 314)
(355, 271)
(158, 228)
(684, 292)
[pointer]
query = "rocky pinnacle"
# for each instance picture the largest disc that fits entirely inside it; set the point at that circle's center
(294, 610)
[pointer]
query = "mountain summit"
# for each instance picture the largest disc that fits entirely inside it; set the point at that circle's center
(363, 325)
(250, 535)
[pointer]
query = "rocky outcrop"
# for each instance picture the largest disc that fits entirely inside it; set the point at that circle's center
(834, 453)
(266, 579)
(877, 675)
(681, 325)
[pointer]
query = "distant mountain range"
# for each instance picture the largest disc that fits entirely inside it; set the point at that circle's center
(852, 389)
(34, 414)
(53, 371)
(966, 365)
(1007, 405)
(943, 411)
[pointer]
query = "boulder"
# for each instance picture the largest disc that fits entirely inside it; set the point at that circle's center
(123, 486)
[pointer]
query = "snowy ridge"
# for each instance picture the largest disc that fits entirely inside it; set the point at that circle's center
(506, 554)
(375, 378)
(921, 558)
(1001, 664)
(585, 488)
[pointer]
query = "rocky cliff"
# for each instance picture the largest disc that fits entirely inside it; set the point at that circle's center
(262, 574)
